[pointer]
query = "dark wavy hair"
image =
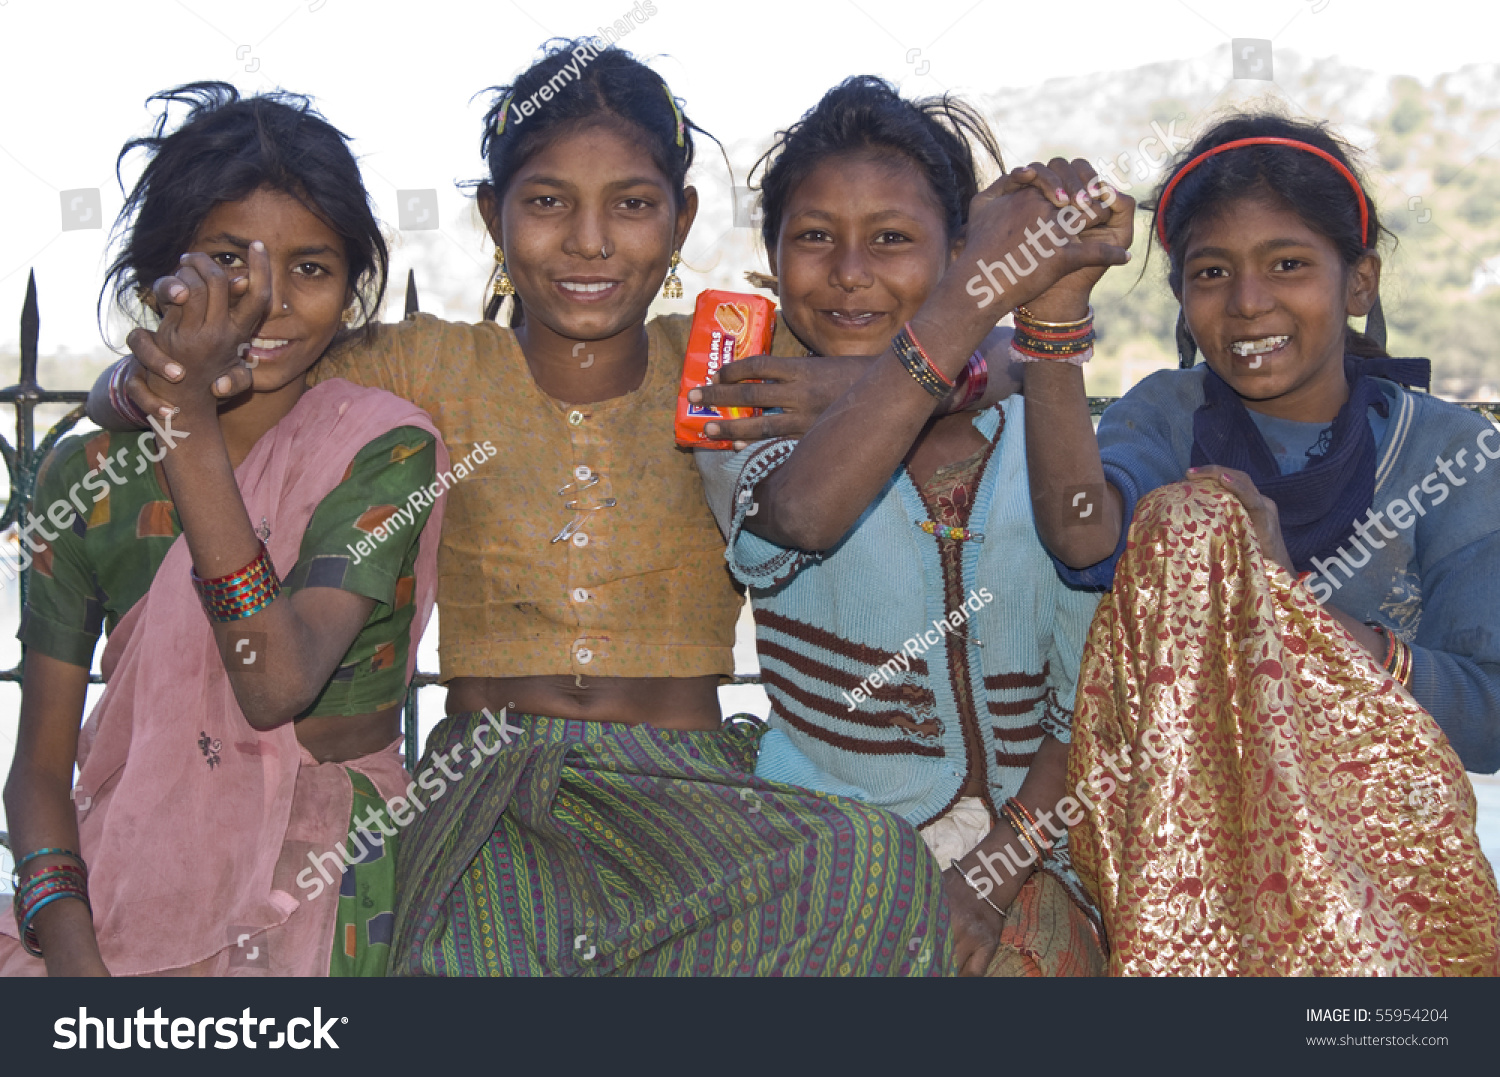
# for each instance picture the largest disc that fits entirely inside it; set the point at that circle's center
(1302, 182)
(865, 114)
(226, 148)
(587, 86)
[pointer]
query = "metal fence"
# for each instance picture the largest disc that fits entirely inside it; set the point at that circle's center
(24, 458)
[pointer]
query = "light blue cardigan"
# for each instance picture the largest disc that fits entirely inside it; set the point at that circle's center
(826, 623)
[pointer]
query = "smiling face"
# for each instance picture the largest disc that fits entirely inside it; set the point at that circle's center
(1267, 300)
(309, 278)
(588, 225)
(862, 243)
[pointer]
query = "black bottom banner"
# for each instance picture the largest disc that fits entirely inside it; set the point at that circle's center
(274, 1026)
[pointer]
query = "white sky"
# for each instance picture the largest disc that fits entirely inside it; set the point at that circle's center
(399, 77)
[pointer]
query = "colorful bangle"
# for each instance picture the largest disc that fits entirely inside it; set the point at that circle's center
(1022, 314)
(1022, 831)
(42, 889)
(58, 871)
(1036, 828)
(29, 940)
(918, 365)
(1398, 657)
(1019, 815)
(1035, 340)
(240, 594)
(1028, 347)
(1400, 664)
(972, 382)
(15, 874)
(119, 396)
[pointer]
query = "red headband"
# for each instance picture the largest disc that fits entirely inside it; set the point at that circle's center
(1359, 194)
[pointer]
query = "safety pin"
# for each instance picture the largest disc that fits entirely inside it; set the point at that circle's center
(577, 521)
(593, 480)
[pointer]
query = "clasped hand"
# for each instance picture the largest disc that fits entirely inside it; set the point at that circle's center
(193, 358)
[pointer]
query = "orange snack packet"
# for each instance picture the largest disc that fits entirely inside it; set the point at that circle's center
(726, 326)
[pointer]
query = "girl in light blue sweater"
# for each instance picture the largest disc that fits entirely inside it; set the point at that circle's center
(918, 647)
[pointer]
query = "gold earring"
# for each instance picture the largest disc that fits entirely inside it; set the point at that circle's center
(503, 286)
(348, 316)
(672, 287)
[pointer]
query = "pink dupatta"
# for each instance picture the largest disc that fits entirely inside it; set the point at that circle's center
(192, 866)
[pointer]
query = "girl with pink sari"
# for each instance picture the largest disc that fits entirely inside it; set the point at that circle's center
(265, 567)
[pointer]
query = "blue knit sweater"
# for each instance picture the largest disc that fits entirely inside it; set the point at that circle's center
(871, 612)
(1427, 568)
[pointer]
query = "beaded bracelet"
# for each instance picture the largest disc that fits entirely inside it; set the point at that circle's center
(240, 594)
(119, 396)
(915, 360)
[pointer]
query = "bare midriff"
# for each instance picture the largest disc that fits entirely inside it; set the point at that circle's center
(337, 738)
(664, 702)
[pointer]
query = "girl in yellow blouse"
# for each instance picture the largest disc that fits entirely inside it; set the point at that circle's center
(586, 809)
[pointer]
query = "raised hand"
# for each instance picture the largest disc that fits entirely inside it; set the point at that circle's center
(1038, 225)
(194, 356)
(1102, 214)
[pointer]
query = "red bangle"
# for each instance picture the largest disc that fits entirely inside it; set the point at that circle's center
(240, 594)
(119, 396)
(1035, 826)
(975, 380)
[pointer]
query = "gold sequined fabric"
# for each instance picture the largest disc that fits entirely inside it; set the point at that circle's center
(1267, 800)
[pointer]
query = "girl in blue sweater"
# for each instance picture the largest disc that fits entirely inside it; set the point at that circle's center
(917, 645)
(1301, 651)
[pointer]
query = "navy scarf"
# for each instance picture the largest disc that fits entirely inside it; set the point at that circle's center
(1319, 504)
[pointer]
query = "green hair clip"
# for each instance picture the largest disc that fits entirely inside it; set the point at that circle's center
(504, 114)
(681, 126)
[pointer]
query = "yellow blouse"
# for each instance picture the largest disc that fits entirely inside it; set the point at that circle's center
(636, 588)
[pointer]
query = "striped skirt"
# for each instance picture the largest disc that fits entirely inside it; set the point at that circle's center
(563, 847)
